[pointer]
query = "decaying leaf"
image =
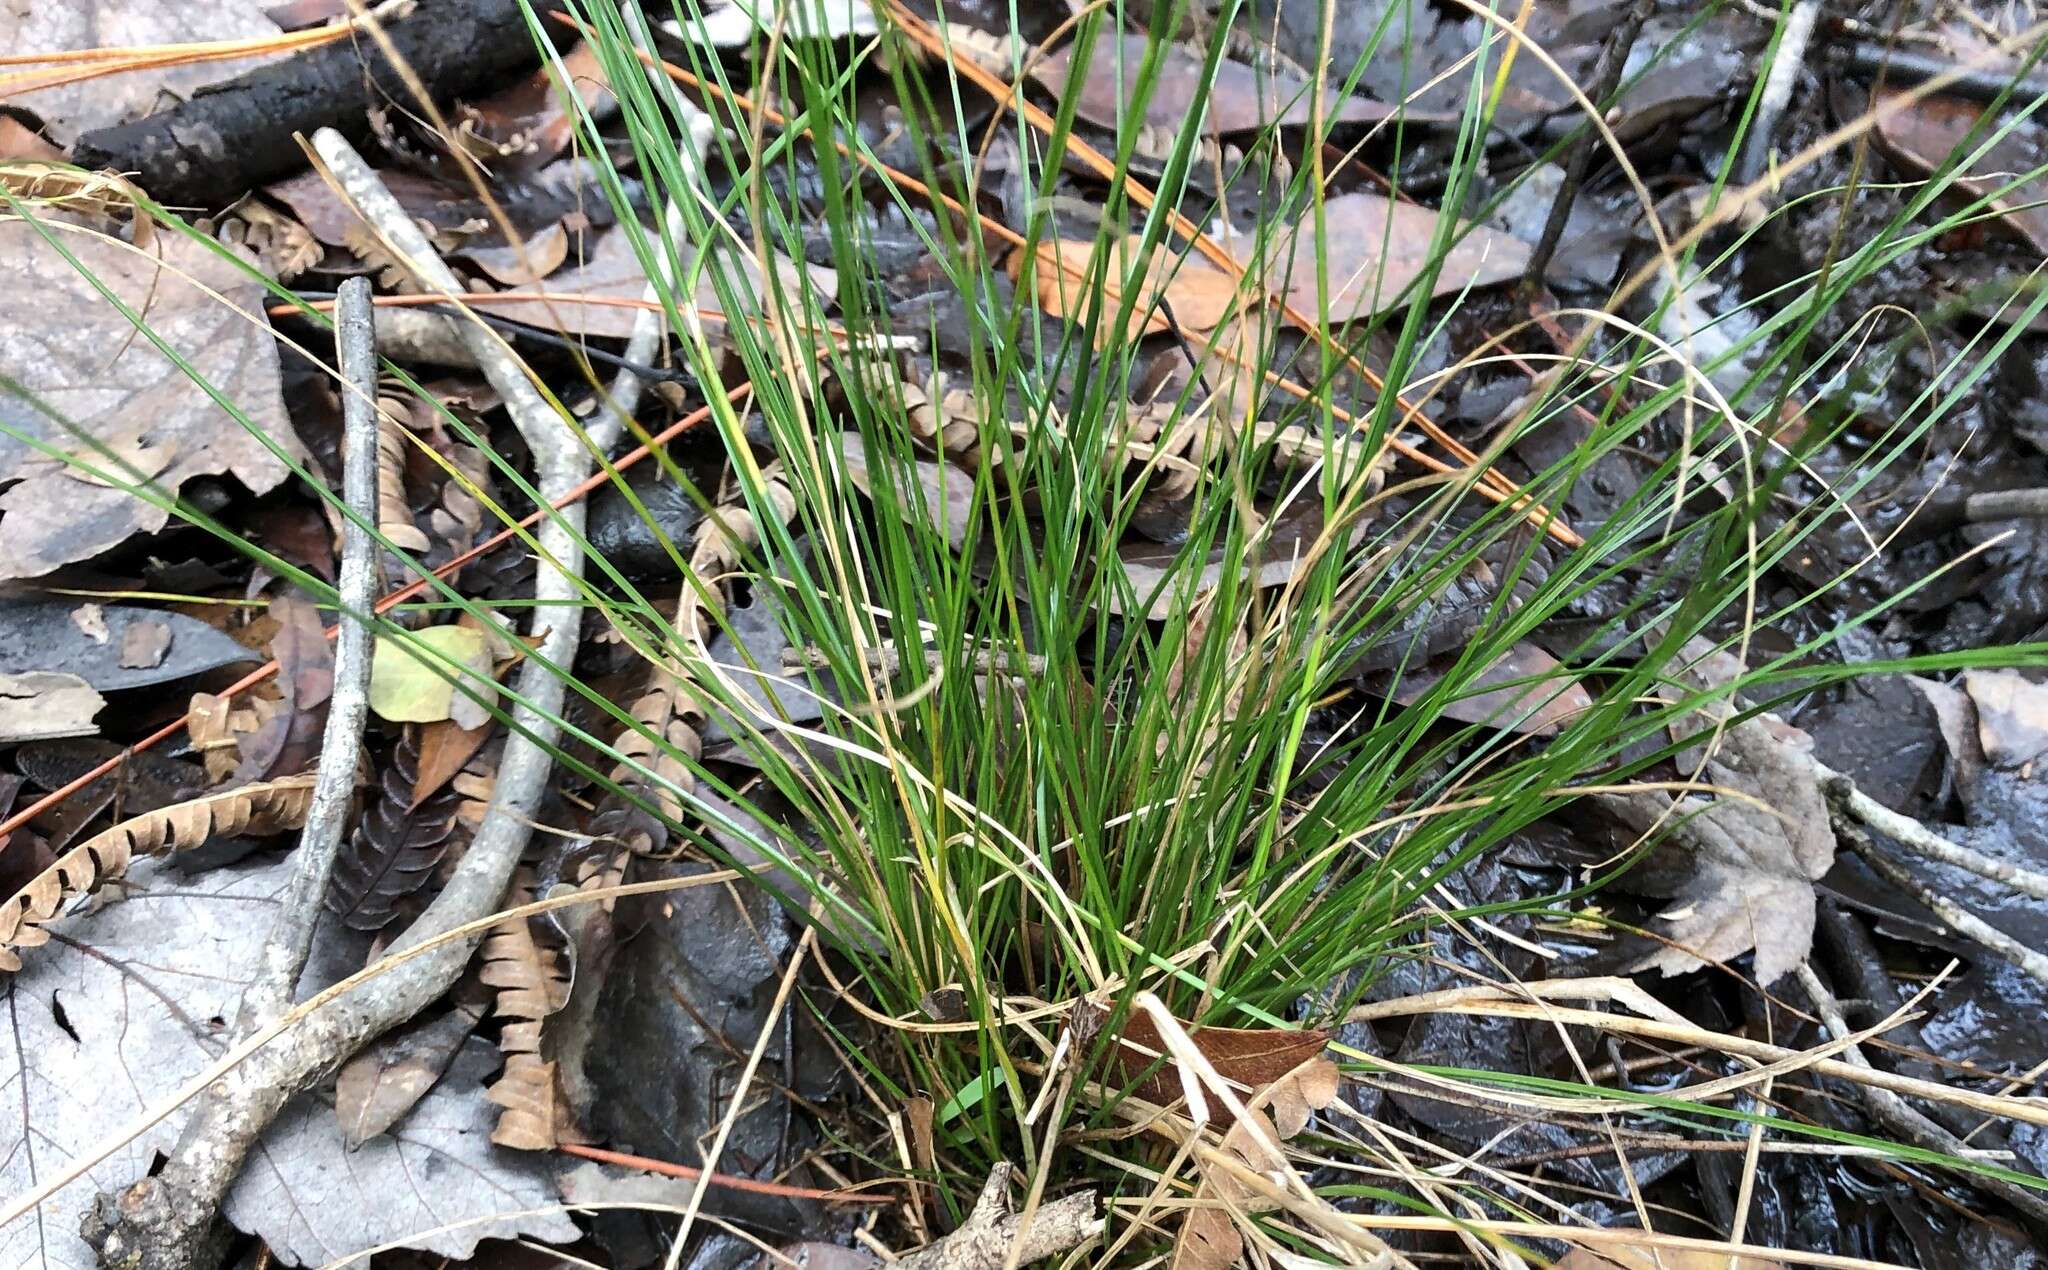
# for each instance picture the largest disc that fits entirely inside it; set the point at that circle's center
(1374, 248)
(85, 374)
(1237, 98)
(406, 687)
(1744, 861)
(521, 130)
(47, 635)
(944, 494)
(396, 846)
(375, 1089)
(86, 867)
(1198, 295)
(43, 704)
(1251, 1057)
(69, 109)
(445, 748)
(434, 1182)
(1538, 708)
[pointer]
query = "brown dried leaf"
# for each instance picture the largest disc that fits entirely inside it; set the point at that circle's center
(1375, 248)
(74, 353)
(1237, 98)
(375, 1089)
(522, 129)
(1924, 135)
(245, 811)
(1532, 709)
(1199, 294)
(289, 740)
(1251, 1057)
(445, 748)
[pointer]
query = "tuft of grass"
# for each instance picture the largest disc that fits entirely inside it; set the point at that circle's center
(1045, 771)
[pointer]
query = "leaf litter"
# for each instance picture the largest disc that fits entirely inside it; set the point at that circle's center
(630, 1026)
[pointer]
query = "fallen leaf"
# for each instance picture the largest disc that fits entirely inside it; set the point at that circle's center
(2012, 716)
(944, 493)
(411, 688)
(289, 739)
(520, 130)
(43, 704)
(1374, 248)
(84, 372)
(1925, 134)
(375, 1089)
(18, 142)
(1237, 98)
(1740, 866)
(144, 645)
(1533, 709)
(70, 25)
(41, 635)
(444, 748)
(1199, 295)
(1251, 1057)
(607, 271)
(91, 621)
(436, 1183)
(1649, 1255)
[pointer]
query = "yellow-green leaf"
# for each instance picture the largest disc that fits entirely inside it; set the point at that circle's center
(410, 687)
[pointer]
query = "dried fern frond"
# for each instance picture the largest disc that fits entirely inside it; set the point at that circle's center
(530, 983)
(250, 809)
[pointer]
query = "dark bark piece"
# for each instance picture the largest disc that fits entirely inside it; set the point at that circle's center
(210, 150)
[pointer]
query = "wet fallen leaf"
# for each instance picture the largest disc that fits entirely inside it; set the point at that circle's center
(1237, 98)
(44, 635)
(1374, 249)
(1927, 133)
(85, 373)
(69, 109)
(406, 687)
(44, 704)
(1740, 864)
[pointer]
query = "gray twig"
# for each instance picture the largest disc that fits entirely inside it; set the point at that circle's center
(162, 1222)
(1922, 841)
(993, 1236)
(1784, 72)
(1898, 1116)
(1965, 922)
(341, 747)
(1606, 78)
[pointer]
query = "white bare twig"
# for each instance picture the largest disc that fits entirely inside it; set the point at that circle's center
(341, 746)
(162, 1222)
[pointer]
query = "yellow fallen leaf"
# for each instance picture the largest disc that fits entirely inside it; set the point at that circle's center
(408, 687)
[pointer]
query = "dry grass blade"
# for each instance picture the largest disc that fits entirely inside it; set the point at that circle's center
(251, 809)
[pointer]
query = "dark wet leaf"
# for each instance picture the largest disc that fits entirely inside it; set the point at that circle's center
(46, 635)
(396, 846)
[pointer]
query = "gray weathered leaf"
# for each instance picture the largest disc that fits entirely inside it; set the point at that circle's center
(57, 26)
(76, 372)
(107, 1028)
(436, 1184)
(42, 705)
(1374, 249)
(41, 635)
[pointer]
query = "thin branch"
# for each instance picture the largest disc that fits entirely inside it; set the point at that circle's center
(163, 1222)
(1922, 841)
(341, 747)
(1785, 67)
(1961, 919)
